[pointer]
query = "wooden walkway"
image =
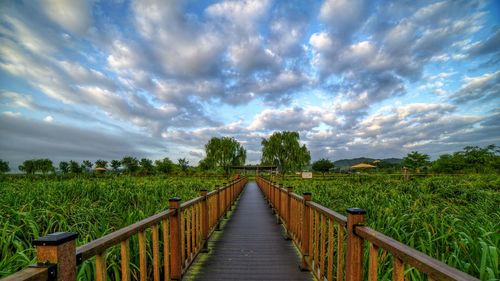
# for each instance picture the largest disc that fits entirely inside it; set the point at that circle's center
(251, 246)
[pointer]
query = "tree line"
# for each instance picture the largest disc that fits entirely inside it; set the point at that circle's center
(281, 149)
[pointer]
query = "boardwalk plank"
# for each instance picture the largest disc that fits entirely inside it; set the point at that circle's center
(252, 246)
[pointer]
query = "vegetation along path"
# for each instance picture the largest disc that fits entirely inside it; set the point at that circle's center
(252, 246)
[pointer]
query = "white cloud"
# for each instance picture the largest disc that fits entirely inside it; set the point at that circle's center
(74, 15)
(48, 119)
(483, 87)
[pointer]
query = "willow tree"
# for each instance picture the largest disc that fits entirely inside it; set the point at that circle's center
(223, 153)
(283, 150)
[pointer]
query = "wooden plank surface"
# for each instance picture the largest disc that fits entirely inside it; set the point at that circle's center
(251, 247)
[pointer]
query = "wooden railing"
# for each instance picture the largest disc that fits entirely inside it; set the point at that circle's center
(332, 245)
(182, 231)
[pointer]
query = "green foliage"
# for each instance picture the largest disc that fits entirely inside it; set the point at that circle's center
(4, 167)
(416, 160)
(33, 166)
(183, 164)
(454, 219)
(87, 166)
(282, 149)
(224, 152)
(323, 165)
(91, 207)
(470, 159)
(64, 167)
(130, 164)
(146, 167)
(74, 167)
(101, 164)
(164, 166)
(115, 165)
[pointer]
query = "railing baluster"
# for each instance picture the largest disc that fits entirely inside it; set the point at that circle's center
(100, 267)
(189, 215)
(340, 252)
(316, 239)
(204, 221)
(373, 263)
(330, 249)
(125, 257)
(305, 235)
(166, 254)
(398, 269)
(322, 243)
(142, 256)
(156, 254)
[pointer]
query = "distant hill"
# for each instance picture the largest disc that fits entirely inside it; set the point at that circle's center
(354, 161)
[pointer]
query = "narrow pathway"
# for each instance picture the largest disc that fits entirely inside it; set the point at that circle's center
(252, 246)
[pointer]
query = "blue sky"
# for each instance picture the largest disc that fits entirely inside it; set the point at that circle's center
(104, 79)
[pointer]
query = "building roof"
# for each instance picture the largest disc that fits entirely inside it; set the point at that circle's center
(362, 166)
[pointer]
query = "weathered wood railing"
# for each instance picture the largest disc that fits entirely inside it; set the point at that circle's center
(332, 245)
(184, 230)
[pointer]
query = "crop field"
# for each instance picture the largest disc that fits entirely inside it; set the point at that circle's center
(92, 207)
(455, 219)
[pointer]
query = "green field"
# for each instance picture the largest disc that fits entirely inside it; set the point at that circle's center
(92, 207)
(455, 219)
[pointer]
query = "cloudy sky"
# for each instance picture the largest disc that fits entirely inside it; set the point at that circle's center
(104, 79)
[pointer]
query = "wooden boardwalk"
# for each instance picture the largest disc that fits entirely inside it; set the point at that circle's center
(251, 246)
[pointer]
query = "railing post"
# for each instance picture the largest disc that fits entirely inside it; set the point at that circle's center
(58, 248)
(226, 200)
(175, 239)
(306, 224)
(204, 220)
(279, 208)
(218, 208)
(289, 191)
(354, 255)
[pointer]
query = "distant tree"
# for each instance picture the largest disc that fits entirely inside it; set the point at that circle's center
(224, 152)
(101, 164)
(115, 165)
(130, 164)
(183, 164)
(28, 167)
(146, 166)
(4, 167)
(203, 165)
(87, 166)
(470, 159)
(44, 166)
(64, 167)
(74, 167)
(416, 160)
(283, 149)
(323, 166)
(164, 166)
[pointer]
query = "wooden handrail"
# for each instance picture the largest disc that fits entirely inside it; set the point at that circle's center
(29, 274)
(434, 268)
(341, 219)
(101, 244)
(314, 229)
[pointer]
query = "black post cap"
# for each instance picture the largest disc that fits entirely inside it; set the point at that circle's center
(204, 190)
(306, 193)
(175, 199)
(356, 211)
(55, 239)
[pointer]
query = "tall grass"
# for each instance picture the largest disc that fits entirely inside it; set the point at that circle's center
(455, 219)
(92, 207)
